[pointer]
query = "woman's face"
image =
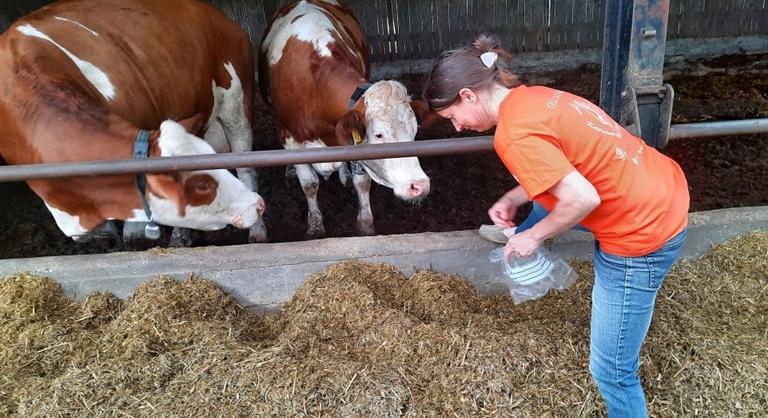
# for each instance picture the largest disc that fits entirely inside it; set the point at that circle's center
(470, 111)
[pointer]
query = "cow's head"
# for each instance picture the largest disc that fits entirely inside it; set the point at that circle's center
(206, 199)
(385, 115)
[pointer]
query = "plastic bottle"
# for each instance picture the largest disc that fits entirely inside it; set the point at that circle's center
(531, 277)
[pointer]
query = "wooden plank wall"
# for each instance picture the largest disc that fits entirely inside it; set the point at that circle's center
(415, 29)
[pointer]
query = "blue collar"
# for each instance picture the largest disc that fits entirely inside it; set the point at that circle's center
(141, 150)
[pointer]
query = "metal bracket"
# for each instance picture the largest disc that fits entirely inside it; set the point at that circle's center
(647, 113)
(630, 117)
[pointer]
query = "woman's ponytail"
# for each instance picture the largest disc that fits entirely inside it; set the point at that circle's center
(476, 67)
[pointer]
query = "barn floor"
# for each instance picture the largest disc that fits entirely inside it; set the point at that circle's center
(363, 340)
(722, 172)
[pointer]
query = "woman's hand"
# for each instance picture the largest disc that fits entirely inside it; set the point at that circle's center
(524, 244)
(503, 212)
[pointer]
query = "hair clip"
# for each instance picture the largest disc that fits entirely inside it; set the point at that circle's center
(489, 58)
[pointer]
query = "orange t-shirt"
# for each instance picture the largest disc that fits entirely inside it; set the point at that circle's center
(544, 134)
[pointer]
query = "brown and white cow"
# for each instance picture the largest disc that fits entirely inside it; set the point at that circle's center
(78, 79)
(313, 58)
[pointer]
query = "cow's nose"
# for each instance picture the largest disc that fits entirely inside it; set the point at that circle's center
(420, 187)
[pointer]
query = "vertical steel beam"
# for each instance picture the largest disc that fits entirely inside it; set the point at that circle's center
(616, 36)
(632, 89)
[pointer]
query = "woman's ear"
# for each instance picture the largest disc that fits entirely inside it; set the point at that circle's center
(468, 95)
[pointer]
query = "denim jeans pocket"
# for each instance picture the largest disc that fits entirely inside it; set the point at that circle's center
(654, 279)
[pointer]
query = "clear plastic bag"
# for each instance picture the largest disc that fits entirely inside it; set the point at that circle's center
(531, 277)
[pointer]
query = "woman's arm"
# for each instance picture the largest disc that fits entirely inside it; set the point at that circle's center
(576, 198)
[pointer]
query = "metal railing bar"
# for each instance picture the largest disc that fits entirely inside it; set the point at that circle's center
(269, 158)
(272, 158)
(719, 128)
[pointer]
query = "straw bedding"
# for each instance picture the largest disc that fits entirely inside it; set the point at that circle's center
(363, 340)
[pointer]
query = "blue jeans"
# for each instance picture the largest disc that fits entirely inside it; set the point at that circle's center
(538, 213)
(623, 298)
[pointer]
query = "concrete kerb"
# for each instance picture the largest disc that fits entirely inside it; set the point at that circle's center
(264, 276)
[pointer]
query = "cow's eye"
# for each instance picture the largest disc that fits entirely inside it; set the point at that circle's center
(201, 184)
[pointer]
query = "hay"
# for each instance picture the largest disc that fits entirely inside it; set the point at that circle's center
(363, 340)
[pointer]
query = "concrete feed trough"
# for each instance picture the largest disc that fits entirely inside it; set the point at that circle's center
(264, 276)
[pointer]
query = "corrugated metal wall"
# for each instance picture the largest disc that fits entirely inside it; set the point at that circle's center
(415, 29)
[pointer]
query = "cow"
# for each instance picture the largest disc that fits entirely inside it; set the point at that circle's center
(85, 79)
(314, 69)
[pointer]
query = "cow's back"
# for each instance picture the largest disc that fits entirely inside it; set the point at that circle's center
(141, 60)
(309, 48)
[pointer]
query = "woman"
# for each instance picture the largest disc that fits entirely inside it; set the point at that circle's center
(579, 167)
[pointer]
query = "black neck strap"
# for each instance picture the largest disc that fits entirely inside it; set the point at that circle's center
(355, 166)
(359, 91)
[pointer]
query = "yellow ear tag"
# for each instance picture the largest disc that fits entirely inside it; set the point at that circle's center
(356, 137)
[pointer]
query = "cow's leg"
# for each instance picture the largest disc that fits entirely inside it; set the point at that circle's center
(240, 139)
(290, 172)
(237, 138)
(344, 174)
(362, 184)
(258, 231)
(228, 119)
(310, 183)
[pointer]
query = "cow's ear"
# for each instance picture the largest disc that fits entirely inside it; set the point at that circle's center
(194, 125)
(424, 115)
(168, 186)
(350, 129)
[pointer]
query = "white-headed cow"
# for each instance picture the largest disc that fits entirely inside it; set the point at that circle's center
(82, 80)
(314, 68)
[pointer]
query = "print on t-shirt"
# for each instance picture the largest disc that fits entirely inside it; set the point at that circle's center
(604, 125)
(597, 120)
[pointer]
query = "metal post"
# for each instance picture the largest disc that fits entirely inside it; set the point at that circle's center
(618, 25)
(632, 89)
